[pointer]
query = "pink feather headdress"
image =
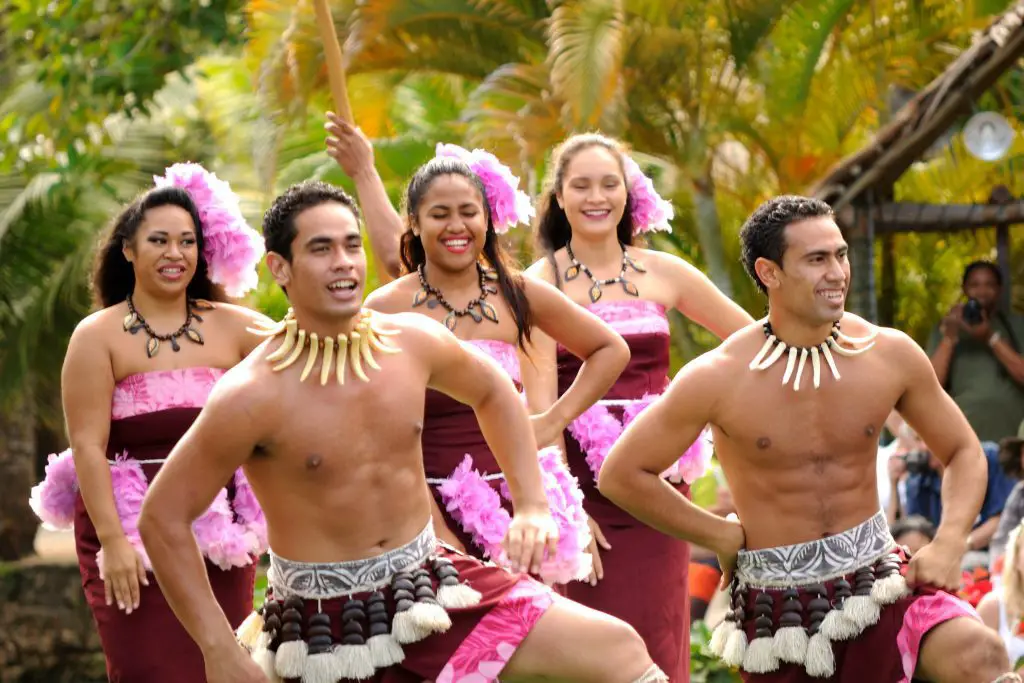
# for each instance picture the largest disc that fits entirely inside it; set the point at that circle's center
(509, 205)
(650, 211)
(231, 248)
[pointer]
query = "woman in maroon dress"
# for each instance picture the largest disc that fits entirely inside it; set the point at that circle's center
(596, 204)
(136, 374)
(459, 274)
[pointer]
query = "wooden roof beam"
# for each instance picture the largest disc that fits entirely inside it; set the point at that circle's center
(896, 217)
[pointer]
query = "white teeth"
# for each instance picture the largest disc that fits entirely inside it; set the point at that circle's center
(342, 284)
(456, 243)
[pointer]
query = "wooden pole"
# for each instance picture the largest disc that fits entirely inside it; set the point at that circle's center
(332, 55)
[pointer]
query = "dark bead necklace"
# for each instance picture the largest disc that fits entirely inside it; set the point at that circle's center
(477, 309)
(133, 322)
(575, 268)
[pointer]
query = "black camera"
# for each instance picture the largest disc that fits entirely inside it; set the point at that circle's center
(918, 462)
(972, 313)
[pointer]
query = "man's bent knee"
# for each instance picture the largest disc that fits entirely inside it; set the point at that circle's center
(629, 654)
(977, 655)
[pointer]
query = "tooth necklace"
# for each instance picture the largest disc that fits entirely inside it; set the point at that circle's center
(133, 322)
(575, 267)
(357, 347)
(797, 356)
(426, 291)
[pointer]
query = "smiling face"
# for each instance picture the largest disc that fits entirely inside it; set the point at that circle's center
(327, 271)
(593, 191)
(164, 252)
(983, 284)
(451, 222)
(814, 276)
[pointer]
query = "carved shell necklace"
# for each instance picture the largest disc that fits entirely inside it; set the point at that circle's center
(576, 267)
(133, 322)
(352, 349)
(774, 348)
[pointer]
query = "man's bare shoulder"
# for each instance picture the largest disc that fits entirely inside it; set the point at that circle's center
(738, 349)
(250, 385)
(395, 296)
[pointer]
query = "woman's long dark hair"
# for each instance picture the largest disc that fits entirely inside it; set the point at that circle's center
(552, 230)
(113, 277)
(510, 281)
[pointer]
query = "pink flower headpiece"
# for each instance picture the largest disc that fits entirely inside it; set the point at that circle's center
(509, 205)
(231, 248)
(650, 211)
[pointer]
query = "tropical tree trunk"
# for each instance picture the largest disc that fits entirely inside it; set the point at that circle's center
(18, 524)
(709, 233)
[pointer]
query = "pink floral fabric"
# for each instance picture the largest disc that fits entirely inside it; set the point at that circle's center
(635, 316)
(927, 612)
(504, 353)
(482, 656)
(149, 392)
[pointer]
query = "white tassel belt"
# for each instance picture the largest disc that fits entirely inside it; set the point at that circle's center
(291, 636)
(796, 613)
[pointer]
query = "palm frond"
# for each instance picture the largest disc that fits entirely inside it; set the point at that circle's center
(586, 49)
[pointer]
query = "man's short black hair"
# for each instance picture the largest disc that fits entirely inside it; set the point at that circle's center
(279, 220)
(982, 265)
(764, 233)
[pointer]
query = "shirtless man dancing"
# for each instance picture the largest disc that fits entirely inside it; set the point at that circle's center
(327, 426)
(796, 403)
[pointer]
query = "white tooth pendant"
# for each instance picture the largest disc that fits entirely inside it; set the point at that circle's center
(797, 357)
(346, 351)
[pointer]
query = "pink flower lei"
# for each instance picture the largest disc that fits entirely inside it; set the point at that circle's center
(231, 248)
(650, 211)
(509, 205)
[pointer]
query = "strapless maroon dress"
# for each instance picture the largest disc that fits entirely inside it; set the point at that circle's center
(645, 572)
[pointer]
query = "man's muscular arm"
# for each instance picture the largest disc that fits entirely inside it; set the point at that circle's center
(221, 439)
(631, 474)
(932, 414)
(471, 377)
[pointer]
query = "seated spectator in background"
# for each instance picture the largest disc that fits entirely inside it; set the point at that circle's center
(923, 496)
(1002, 609)
(976, 355)
(1010, 451)
(914, 532)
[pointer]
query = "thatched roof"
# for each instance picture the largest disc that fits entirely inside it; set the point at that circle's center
(922, 120)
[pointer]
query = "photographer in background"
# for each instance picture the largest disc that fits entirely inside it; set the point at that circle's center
(976, 355)
(921, 473)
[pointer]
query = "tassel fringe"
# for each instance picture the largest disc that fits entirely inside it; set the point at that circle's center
(720, 636)
(290, 661)
(458, 596)
(890, 589)
(406, 630)
(385, 651)
(790, 644)
(322, 668)
(837, 626)
(351, 661)
(820, 661)
(430, 618)
(735, 648)
(862, 611)
(250, 630)
(264, 659)
(760, 657)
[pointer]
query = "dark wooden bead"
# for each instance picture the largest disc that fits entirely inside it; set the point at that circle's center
(353, 639)
(318, 630)
(738, 615)
(763, 622)
(403, 595)
(403, 575)
(376, 608)
(293, 602)
(442, 562)
(353, 614)
(403, 605)
(763, 633)
(422, 581)
(379, 629)
(790, 619)
(764, 599)
(319, 650)
(862, 592)
(819, 605)
(354, 604)
(273, 623)
(379, 618)
(816, 619)
(352, 627)
(762, 610)
(291, 615)
(404, 584)
(424, 592)
(790, 594)
(450, 581)
(841, 584)
(427, 601)
(290, 637)
(813, 629)
(445, 572)
(319, 641)
(291, 627)
(375, 598)
(792, 606)
(816, 589)
(320, 619)
(273, 607)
